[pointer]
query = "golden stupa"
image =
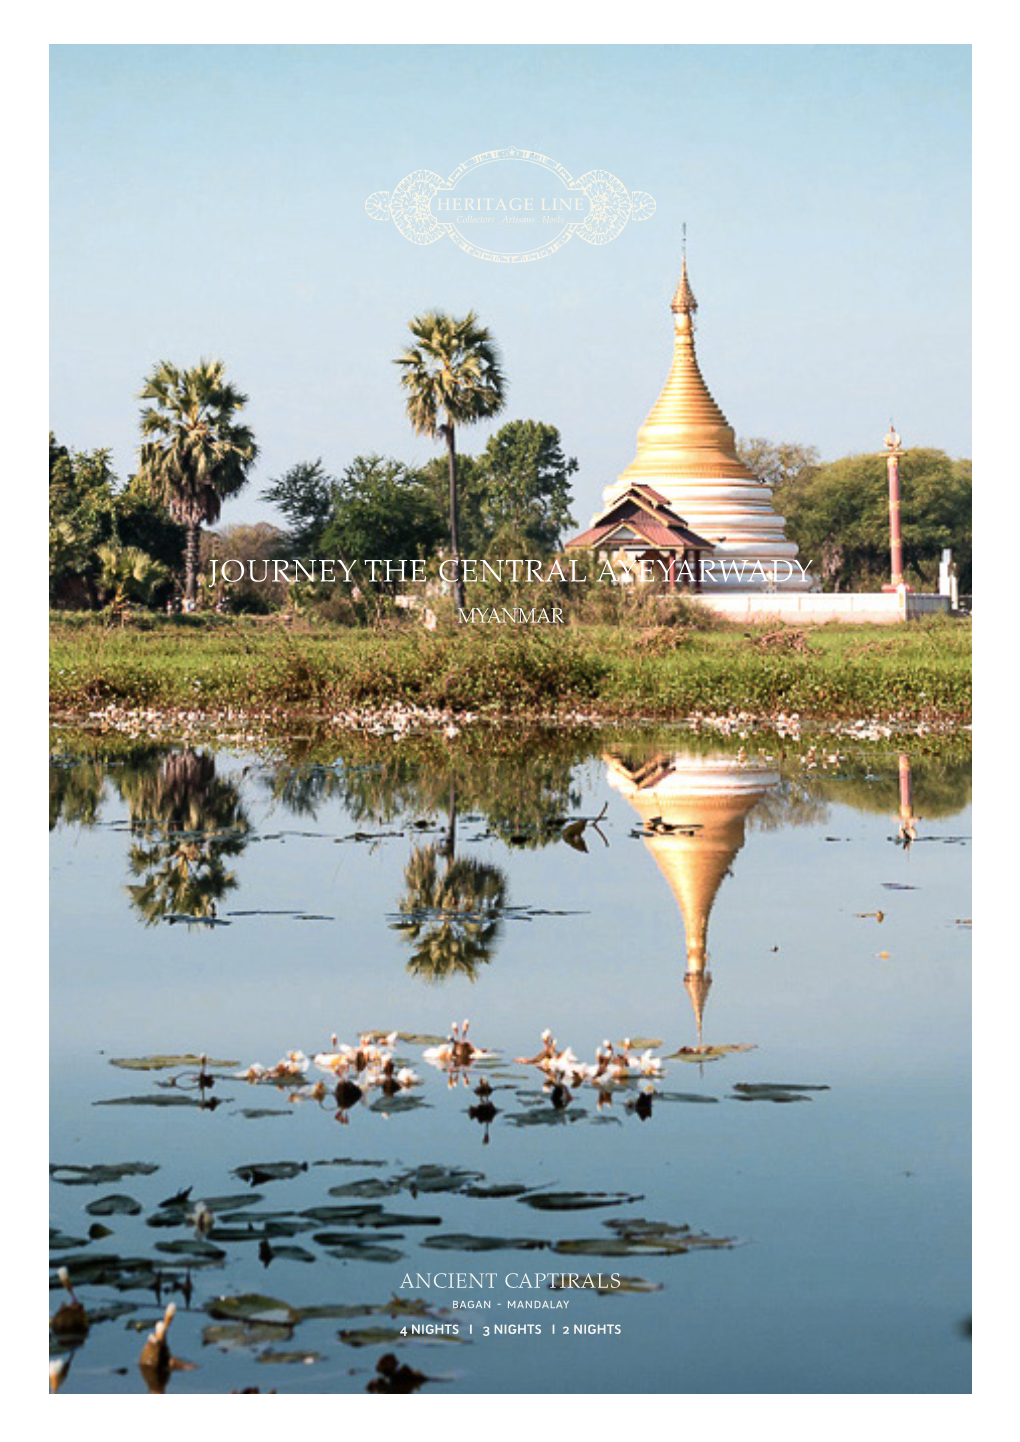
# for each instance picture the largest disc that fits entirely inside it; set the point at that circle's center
(687, 453)
(693, 808)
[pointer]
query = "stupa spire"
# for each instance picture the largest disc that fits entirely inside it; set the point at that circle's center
(683, 302)
(687, 451)
(685, 432)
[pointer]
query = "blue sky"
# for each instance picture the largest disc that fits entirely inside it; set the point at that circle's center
(210, 201)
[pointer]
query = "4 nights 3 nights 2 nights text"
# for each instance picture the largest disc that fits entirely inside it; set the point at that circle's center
(514, 1329)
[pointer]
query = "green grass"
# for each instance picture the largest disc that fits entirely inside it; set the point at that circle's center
(920, 671)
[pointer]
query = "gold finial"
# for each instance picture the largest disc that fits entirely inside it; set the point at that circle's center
(683, 300)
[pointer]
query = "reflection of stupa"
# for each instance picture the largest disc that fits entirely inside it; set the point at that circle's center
(693, 809)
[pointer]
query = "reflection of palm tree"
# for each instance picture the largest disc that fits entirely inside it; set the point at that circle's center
(452, 912)
(303, 789)
(453, 915)
(77, 791)
(186, 821)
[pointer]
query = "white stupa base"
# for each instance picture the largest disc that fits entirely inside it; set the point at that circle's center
(751, 553)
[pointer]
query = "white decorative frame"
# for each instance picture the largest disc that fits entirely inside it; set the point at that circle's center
(612, 205)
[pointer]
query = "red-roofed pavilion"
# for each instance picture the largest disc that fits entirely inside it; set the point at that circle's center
(640, 526)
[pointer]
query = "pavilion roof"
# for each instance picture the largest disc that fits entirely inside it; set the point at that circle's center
(640, 514)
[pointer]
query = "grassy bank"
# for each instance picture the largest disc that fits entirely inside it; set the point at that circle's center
(915, 672)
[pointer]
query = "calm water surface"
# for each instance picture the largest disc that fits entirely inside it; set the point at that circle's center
(243, 906)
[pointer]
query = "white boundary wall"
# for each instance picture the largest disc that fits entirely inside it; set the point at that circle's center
(817, 607)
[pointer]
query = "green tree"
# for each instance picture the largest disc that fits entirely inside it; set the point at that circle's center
(128, 574)
(305, 494)
(525, 490)
(256, 547)
(472, 529)
(89, 511)
(452, 376)
(381, 510)
(194, 453)
(81, 518)
(777, 462)
(141, 522)
(839, 517)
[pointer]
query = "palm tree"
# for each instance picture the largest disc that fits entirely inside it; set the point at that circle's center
(128, 574)
(452, 377)
(193, 453)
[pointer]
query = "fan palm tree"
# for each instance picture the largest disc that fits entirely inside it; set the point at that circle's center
(452, 377)
(129, 574)
(194, 454)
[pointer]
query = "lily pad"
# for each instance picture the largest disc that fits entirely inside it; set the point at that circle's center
(284, 1358)
(76, 1176)
(117, 1204)
(547, 1116)
(252, 1307)
(408, 1307)
(154, 1099)
(708, 1053)
(106, 1269)
(604, 1287)
(369, 1336)
(400, 1103)
(196, 1249)
(467, 1242)
(241, 1336)
(288, 1252)
(496, 1190)
(350, 1162)
(272, 1224)
(370, 1214)
(637, 1237)
(575, 1201)
(774, 1091)
(598, 1247)
(61, 1242)
(169, 1217)
(165, 1063)
(360, 1249)
(258, 1173)
(227, 1202)
(434, 1178)
(366, 1187)
(110, 1312)
(335, 1311)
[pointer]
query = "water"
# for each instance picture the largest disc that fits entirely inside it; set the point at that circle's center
(243, 906)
